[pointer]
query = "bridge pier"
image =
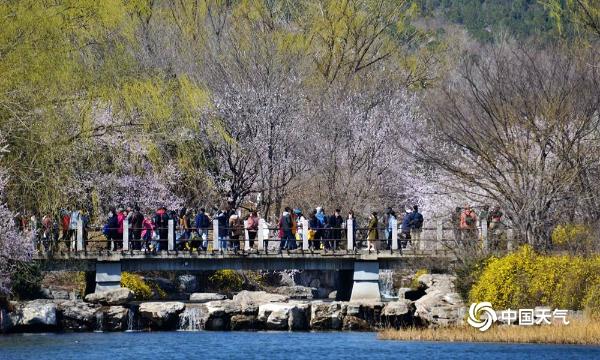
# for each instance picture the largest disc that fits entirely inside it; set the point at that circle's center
(366, 281)
(108, 275)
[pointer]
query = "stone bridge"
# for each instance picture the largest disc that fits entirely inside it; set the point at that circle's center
(364, 266)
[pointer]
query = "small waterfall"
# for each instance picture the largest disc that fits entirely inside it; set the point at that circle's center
(133, 320)
(191, 319)
(99, 322)
(386, 284)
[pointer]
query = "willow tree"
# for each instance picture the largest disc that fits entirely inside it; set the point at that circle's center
(63, 63)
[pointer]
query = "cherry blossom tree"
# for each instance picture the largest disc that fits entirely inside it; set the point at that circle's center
(14, 246)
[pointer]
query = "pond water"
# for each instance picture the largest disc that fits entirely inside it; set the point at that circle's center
(265, 345)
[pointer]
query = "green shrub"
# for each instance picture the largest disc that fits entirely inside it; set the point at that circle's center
(141, 290)
(26, 281)
(226, 281)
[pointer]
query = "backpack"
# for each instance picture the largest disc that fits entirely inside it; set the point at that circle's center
(105, 230)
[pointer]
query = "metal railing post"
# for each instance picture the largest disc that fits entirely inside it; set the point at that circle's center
(79, 245)
(350, 234)
(261, 234)
(125, 234)
(246, 237)
(216, 245)
(509, 239)
(170, 236)
(305, 245)
(394, 224)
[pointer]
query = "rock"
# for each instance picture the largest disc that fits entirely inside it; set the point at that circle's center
(258, 297)
(74, 295)
(5, 321)
(442, 282)
(245, 322)
(297, 292)
(326, 316)
(323, 293)
(161, 315)
(220, 313)
(116, 318)
(369, 311)
(119, 296)
(299, 317)
(60, 295)
(206, 297)
(284, 316)
(440, 308)
(77, 315)
(398, 313)
(34, 316)
(187, 283)
(354, 323)
(46, 293)
(332, 295)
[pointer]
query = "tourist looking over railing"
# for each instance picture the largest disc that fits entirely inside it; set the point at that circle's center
(228, 231)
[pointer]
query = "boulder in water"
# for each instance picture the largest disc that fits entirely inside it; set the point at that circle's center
(245, 322)
(119, 296)
(326, 316)
(116, 318)
(37, 315)
(161, 315)
(77, 315)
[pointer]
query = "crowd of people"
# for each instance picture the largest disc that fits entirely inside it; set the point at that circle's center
(150, 232)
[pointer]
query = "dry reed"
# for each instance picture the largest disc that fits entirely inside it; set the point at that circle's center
(577, 332)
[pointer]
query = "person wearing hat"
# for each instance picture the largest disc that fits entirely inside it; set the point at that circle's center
(299, 220)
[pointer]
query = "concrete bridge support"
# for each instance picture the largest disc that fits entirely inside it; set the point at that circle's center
(366, 281)
(108, 275)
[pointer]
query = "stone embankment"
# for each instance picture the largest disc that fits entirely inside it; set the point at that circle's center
(293, 309)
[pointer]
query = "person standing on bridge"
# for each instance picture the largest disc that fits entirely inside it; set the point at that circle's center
(252, 226)
(161, 224)
(405, 229)
(416, 227)
(390, 221)
(373, 232)
(335, 233)
(136, 225)
(236, 229)
(223, 231)
(111, 227)
(202, 225)
(468, 226)
(322, 232)
(73, 225)
(285, 230)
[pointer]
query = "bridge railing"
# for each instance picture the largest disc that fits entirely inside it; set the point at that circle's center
(440, 238)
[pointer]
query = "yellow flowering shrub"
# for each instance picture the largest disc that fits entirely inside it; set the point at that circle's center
(135, 283)
(576, 238)
(415, 280)
(524, 279)
(226, 281)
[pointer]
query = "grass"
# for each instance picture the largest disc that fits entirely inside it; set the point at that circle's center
(577, 332)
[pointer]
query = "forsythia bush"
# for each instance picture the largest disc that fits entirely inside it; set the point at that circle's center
(525, 279)
(136, 284)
